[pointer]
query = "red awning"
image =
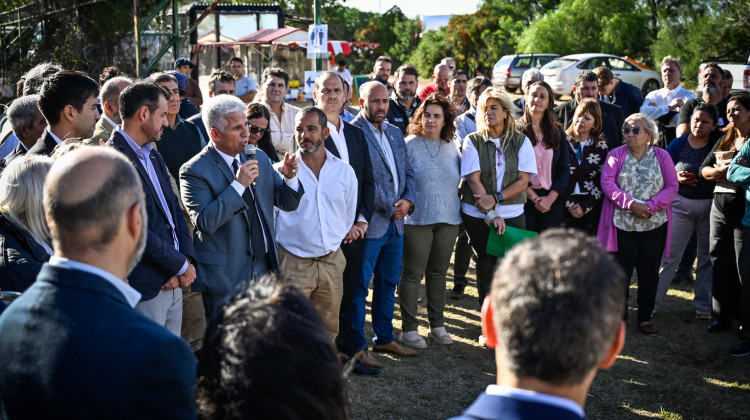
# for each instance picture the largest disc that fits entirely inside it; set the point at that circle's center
(334, 47)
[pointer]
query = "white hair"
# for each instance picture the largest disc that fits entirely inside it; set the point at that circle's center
(532, 74)
(21, 191)
(217, 108)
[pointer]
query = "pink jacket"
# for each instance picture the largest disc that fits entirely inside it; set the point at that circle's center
(613, 195)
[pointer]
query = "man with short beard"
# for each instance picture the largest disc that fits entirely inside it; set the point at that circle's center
(587, 86)
(169, 260)
(348, 143)
(440, 78)
(384, 240)
(711, 80)
(457, 85)
(310, 237)
(93, 355)
(382, 69)
(404, 101)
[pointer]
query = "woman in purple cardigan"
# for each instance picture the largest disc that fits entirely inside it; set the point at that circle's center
(639, 183)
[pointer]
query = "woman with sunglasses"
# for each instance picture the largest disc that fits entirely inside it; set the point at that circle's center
(260, 136)
(639, 183)
(496, 166)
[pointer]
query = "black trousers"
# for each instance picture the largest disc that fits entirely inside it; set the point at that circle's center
(725, 249)
(745, 288)
(353, 254)
(642, 251)
(462, 257)
(479, 233)
(588, 223)
(537, 221)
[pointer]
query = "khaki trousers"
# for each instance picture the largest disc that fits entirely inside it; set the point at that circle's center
(321, 279)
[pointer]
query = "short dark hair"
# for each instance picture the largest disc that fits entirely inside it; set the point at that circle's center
(449, 117)
(229, 63)
(322, 119)
(476, 83)
(145, 92)
(605, 76)
(709, 109)
(383, 58)
(456, 72)
(342, 62)
(558, 301)
(327, 74)
(162, 78)
(717, 67)
(406, 69)
(276, 72)
(37, 75)
(268, 352)
(727, 75)
(586, 76)
(219, 76)
(65, 88)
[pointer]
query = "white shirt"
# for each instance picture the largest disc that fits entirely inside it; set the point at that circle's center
(282, 130)
(131, 295)
(662, 97)
(337, 135)
(109, 120)
(470, 164)
(386, 146)
(325, 213)
(57, 139)
(537, 397)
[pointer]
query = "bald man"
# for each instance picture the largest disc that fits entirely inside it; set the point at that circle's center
(384, 239)
(93, 354)
(440, 78)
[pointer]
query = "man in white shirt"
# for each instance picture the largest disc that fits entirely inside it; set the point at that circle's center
(310, 237)
(109, 97)
(664, 104)
(245, 86)
(275, 85)
(554, 317)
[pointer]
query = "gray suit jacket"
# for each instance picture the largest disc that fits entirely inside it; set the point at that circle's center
(385, 197)
(102, 131)
(222, 229)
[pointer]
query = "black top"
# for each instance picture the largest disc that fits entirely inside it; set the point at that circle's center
(179, 145)
(22, 257)
(398, 115)
(687, 111)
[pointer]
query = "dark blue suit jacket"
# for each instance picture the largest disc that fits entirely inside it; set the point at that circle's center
(160, 259)
(494, 407)
(359, 160)
(72, 347)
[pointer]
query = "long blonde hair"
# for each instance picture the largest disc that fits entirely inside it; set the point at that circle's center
(21, 188)
(509, 123)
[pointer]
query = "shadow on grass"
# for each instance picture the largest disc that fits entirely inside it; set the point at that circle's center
(682, 373)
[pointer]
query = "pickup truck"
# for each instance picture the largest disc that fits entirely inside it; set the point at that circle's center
(740, 71)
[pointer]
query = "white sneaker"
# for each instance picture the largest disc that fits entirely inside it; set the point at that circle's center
(412, 339)
(440, 336)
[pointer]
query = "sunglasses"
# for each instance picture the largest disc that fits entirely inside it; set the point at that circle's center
(256, 130)
(635, 130)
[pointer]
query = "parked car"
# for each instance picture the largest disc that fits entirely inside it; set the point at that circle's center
(561, 72)
(509, 69)
(740, 70)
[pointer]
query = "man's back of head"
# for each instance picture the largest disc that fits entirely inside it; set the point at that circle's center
(557, 302)
(36, 76)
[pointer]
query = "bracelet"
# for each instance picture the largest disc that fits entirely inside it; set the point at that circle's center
(489, 216)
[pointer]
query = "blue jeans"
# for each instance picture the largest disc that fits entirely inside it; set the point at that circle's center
(382, 257)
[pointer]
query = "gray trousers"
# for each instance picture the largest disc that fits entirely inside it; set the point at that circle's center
(427, 253)
(165, 309)
(689, 215)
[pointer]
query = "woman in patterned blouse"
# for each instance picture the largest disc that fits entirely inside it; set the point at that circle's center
(639, 183)
(587, 148)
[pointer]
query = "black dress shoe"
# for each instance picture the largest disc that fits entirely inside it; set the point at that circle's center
(362, 369)
(719, 326)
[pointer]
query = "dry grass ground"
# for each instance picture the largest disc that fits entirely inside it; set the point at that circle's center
(681, 373)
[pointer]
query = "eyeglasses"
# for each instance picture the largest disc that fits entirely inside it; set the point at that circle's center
(256, 130)
(635, 130)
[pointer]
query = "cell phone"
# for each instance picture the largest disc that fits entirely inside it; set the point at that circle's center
(690, 175)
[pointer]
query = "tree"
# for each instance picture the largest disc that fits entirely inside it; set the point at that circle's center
(432, 48)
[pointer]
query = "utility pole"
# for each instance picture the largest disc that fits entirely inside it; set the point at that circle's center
(318, 17)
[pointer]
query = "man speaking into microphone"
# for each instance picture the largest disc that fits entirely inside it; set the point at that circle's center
(230, 199)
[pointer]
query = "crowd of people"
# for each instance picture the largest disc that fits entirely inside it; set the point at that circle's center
(133, 211)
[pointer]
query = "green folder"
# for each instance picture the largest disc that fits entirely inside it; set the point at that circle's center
(498, 245)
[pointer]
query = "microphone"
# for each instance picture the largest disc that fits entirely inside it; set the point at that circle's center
(250, 155)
